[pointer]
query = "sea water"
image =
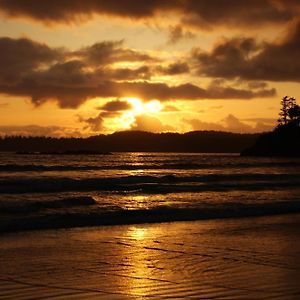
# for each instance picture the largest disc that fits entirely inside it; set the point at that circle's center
(53, 191)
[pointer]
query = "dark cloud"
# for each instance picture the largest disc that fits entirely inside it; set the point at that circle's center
(93, 124)
(142, 72)
(257, 85)
(116, 105)
(110, 52)
(69, 11)
(161, 91)
(220, 87)
(35, 70)
(44, 74)
(164, 92)
(111, 109)
(78, 73)
(234, 93)
(174, 69)
(177, 33)
(254, 13)
(66, 96)
(24, 59)
(18, 56)
(198, 13)
(246, 59)
(73, 96)
(70, 73)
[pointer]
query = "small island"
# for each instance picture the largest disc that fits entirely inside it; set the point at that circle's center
(284, 140)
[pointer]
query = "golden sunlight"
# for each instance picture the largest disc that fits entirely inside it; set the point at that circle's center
(137, 232)
(139, 107)
(153, 106)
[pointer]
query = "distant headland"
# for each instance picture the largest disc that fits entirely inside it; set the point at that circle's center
(284, 140)
(132, 141)
(68, 152)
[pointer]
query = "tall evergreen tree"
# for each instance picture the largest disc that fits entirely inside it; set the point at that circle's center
(287, 103)
(294, 114)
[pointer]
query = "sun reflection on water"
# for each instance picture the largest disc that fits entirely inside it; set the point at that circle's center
(142, 273)
(138, 233)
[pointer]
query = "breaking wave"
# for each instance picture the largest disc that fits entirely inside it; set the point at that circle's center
(154, 184)
(153, 166)
(51, 192)
(96, 216)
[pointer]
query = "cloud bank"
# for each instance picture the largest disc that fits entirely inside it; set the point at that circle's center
(248, 59)
(197, 13)
(70, 78)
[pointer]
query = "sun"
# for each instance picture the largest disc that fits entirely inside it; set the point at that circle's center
(153, 106)
(139, 107)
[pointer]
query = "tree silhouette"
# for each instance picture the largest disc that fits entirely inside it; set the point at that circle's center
(289, 112)
(284, 140)
(294, 114)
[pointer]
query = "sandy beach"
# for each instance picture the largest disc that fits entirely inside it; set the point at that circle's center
(251, 258)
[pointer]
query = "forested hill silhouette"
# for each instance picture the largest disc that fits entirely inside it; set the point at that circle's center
(284, 140)
(134, 141)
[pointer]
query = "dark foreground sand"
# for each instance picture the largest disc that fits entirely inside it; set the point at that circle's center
(255, 258)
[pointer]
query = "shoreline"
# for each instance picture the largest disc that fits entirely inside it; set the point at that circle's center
(255, 258)
(143, 217)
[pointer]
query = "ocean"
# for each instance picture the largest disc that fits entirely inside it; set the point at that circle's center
(59, 191)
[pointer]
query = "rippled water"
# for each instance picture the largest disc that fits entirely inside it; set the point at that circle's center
(50, 191)
(256, 258)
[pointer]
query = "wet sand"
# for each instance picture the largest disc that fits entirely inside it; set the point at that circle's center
(254, 258)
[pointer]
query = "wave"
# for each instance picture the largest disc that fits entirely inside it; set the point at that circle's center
(13, 207)
(158, 166)
(98, 217)
(42, 168)
(152, 184)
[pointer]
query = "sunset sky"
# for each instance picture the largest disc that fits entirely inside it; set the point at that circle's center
(79, 68)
